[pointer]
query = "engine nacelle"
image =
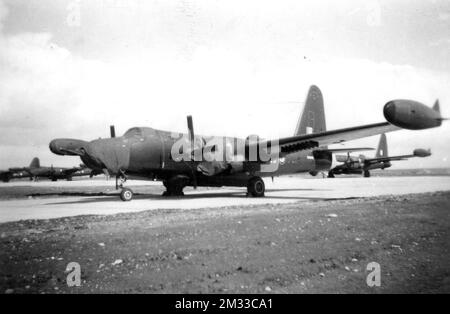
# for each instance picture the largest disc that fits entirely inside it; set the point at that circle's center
(236, 166)
(322, 160)
(412, 115)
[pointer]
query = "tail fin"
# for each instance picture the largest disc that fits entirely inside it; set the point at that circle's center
(436, 106)
(312, 119)
(35, 163)
(382, 150)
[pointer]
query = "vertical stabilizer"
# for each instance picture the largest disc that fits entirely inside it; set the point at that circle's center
(35, 163)
(436, 106)
(312, 119)
(382, 150)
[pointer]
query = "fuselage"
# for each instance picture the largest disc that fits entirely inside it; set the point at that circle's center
(358, 167)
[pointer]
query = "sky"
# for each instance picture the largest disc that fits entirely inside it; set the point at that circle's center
(70, 68)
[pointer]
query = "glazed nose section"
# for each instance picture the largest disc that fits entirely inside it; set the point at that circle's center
(389, 111)
(65, 146)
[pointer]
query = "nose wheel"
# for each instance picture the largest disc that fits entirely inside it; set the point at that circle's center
(126, 194)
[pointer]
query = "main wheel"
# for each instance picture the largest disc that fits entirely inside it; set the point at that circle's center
(366, 173)
(330, 174)
(175, 185)
(54, 179)
(256, 187)
(126, 195)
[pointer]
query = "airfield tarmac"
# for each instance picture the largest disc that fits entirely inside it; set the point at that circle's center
(46, 199)
(306, 236)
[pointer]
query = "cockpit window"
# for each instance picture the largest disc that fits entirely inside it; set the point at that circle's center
(133, 132)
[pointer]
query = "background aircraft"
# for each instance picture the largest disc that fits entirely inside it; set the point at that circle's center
(362, 165)
(7, 175)
(147, 153)
(18, 173)
(35, 171)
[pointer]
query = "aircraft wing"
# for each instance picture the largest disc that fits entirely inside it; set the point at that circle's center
(17, 169)
(416, 153)
(345, 150)
(293, 144)
(386, 159)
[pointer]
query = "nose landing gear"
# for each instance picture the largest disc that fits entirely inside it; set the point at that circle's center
(126, 194)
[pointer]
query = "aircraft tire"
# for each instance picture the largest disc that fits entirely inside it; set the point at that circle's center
(331, 174)
(366, 174)
(256, 187)
(174, 186)
(174, 190)
(54, 179)
(126, 195)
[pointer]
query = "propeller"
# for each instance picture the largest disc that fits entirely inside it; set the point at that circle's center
(190, 126)
(112, 130)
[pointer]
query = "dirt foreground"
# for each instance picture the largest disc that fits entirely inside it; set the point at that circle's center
(316, 246)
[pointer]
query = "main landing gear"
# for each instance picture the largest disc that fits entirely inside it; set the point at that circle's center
(256, 187)
(174, 186)
(330, 174)
(366, 174)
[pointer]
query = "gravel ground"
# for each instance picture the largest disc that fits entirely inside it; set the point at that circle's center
(317, 246)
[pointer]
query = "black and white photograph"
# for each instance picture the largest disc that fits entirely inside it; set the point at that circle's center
(224, 152)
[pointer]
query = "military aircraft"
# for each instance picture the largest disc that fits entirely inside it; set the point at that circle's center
(35, 171)
(180, 160)
(7, 175)
(363, 165)
(18, 173)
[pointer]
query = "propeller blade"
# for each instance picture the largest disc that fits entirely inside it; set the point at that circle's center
(112, 130)
(190, 126)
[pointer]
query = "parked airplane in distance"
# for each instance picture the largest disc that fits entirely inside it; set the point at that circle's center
(362, 164)
(192, 160)
(35, 171)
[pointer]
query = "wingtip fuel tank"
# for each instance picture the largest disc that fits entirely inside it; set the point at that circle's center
(412, 115)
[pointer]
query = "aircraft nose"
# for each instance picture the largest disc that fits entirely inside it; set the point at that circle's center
(66, 146)
(389, 110)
